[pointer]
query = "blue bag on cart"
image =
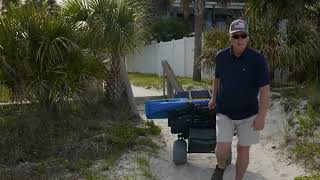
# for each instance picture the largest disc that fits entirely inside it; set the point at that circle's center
(160, 108)
(202, 102)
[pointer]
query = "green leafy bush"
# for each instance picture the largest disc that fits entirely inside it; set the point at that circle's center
(311, 177)
(298, 50)
(41, 60)
(168, 29)
(213, 41)
(72, 140)
(4, 94)
(306, 132)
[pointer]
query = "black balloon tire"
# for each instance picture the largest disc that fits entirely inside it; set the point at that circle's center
(179, 154)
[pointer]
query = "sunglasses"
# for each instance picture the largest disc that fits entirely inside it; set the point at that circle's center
(242, 36)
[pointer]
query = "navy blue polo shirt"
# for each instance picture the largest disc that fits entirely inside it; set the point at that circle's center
(240, 80)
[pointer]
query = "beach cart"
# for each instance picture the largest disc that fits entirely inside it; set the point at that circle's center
(190, 118)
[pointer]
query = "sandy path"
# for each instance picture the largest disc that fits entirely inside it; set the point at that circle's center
(142, 92)
(266, 162)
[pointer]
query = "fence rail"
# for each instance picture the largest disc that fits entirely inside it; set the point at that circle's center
(169, 79)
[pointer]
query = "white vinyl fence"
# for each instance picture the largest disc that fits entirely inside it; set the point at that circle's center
(178, 53)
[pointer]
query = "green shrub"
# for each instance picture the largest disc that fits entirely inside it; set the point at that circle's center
(298, 51)
(168, 29)
(213, 41)
(4, 94)
(68, 140)
(311, 177)
(305, 137)
(152, 129)
(42, 61)
(125, 134)
(314, 96)
(82, 164)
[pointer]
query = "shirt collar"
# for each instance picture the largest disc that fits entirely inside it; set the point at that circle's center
(242, 55)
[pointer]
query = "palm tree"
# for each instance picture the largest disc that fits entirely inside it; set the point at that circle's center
(313, 13)
(185, 8)
(114, 28)
(213, 41)
(199, 7)
(7, 3)
(298, 50)
(164, 6)
(280, 9)
(52, 7)
(40, 59)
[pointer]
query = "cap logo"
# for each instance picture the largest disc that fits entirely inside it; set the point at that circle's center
(239, 25)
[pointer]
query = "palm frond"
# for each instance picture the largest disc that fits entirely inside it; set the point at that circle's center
(75, 10)
(47, 63)
(213, 41)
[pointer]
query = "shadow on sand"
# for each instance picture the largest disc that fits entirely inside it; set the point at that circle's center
(230, 173)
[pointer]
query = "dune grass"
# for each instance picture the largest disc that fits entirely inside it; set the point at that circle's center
(39, 145)
(4, 94)
(302, 131)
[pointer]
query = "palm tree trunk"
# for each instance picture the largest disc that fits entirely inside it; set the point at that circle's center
(318, 22)
(185, 8)
(127, 85)
(118, 88)
(164, 6)
(198, 27)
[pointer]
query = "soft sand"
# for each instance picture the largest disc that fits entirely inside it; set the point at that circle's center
(267, 161)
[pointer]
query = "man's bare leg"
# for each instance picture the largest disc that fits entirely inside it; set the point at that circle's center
(222, 154)
(242, 161)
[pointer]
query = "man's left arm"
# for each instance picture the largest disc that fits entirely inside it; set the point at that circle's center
(263, 82)
(259, 122)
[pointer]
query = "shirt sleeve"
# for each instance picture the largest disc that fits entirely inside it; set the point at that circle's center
(262, 72)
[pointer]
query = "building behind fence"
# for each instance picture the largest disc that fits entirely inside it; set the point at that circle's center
(178, 53)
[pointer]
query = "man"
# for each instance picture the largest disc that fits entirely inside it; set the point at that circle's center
(241, 73)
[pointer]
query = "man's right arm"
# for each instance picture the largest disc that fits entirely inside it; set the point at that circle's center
(216, 87)
(215, 90)
(215, 84)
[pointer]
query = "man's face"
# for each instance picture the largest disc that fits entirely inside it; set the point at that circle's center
(239, 41)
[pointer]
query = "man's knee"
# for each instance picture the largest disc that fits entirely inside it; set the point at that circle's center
(243, 150)
(243, 154)
(223, 149)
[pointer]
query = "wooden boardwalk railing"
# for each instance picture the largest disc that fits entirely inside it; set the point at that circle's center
(173, 85)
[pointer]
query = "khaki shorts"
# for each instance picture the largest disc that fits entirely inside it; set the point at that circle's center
(226, 127)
